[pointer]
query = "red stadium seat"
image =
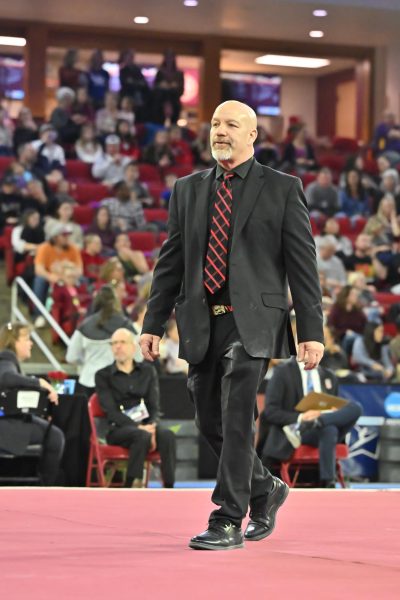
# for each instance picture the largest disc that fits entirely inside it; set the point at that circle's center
(179, 170)
(155, 188)
(145, 241)
(83, 215)
(307, 456)
(346, 227)
(148, 172)
(5, 162)
(162, 236)
(90, 192)
(345, 145)
(103, 457)
(156, 214)
(77, 170)
(333, 161)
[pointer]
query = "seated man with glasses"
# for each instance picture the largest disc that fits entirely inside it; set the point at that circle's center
(129, 395)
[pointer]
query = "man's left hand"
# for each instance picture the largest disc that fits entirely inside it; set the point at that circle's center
(310, 353)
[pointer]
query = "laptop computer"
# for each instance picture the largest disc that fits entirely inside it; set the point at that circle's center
(21, 402)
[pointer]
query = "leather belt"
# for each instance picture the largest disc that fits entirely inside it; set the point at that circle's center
(220, 309)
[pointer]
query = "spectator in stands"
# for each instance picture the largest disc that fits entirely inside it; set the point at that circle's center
(50, 156)
(371, 353)
(112, 271)
(25, 240)
(17, 433)
(64, 217)
(288, 429)
(363, 258)
(129, 395)
(110, 166)
(87, 148)
(101, 226)
(159, 152)
(92, 258)
(68, 74)
(131, 178)
(387, 134)
(133, 261)
(128, 142)
(48, 262)
(134, 85)
(180, 148)
(389, 185)
(65, 296)
(82, 110)
(6, 134)
(201, 147)
(98, 79)
(344, 247)
(35, 196)
(10, 202)
(322, 196)
(169, 181)
(384, 226)
(394, 349)
(335, 357)
(26, 130)
(127, 113)
(173, 364)
(27, 157)
(107, 117)
(125, 209)
(167, 90)
(66, 125)
(330, 264)
(346, 318)
(90, 343)
(353, 197)
(265, 150)
(298, 154)
(388, 267)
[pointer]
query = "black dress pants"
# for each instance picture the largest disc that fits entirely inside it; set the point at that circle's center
(223, 388)
(335, 425)
(53, 442)
(138, 441)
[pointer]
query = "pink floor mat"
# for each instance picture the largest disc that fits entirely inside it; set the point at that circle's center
(73, 544)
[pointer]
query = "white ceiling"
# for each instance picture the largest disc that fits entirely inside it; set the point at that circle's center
(357, 22)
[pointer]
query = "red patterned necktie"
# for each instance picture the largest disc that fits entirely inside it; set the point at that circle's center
(217, 251)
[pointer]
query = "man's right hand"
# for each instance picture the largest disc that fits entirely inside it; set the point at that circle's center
(150, 346)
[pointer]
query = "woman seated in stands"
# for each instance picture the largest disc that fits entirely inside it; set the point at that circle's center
(101, 226)
(344, 247)
(16, 433)
(298, 154)
(92, 257)
(371, 353)
(64, 216)
(133, 261)
(384, 226)
(87, 148)
(26, 129)
(352, 196)
(66, 300)
(334, 356)
(129, 144)
(346, 318)
(90, 343)
(25, 239)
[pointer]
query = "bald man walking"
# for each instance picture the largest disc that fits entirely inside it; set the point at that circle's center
(238, 234)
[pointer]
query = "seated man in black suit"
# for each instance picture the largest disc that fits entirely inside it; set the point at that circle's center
(287, 428)
(129, 395)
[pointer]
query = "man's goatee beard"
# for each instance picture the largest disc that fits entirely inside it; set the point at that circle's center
(221, 154)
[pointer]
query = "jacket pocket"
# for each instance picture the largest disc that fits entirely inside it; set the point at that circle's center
(274, 300)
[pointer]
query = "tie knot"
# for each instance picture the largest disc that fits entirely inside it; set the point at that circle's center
(228, 176)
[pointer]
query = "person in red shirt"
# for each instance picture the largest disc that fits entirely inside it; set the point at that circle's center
(92, 258)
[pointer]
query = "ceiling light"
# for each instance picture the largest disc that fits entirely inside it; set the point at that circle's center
(301, 62)
(320, 12)
(6, 40)
(190, 2)
(316, 34)
(141, 20)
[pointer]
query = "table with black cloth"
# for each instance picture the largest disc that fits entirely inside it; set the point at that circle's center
(71, 416)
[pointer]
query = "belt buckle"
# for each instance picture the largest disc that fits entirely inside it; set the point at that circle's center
(218, 309)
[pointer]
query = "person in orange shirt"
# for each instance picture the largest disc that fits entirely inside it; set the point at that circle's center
(49, 259)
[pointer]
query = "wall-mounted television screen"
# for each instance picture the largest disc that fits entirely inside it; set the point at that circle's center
(261, 92)
(12, 77)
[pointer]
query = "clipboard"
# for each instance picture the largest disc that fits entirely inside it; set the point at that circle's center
(319, 401)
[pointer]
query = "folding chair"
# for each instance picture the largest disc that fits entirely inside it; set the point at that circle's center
(308, 457)
(103, 456)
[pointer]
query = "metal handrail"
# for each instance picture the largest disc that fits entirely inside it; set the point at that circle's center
(16, 312)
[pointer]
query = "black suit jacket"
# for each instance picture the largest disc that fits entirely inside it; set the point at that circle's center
(271, 245)
(284, 391)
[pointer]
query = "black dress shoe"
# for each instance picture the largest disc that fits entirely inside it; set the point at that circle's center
(262, 522)
(220, 535)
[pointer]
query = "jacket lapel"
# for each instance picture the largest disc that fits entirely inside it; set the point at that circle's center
(246, 204)
(202, 193)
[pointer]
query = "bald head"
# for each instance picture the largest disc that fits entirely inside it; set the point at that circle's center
(233, 133)
(123, 346)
